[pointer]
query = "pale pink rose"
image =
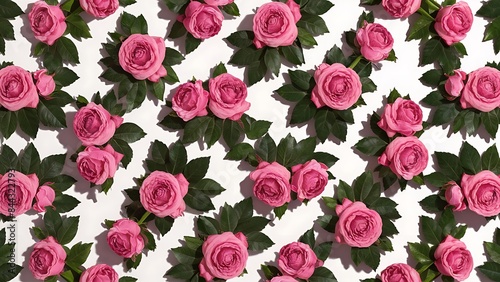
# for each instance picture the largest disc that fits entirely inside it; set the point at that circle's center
(45, 83)
(400, 272)
(358, 226)
(272, 183)
(482, 192)
(17, 192)
(274, 25)
(224, 256)
(94, 125)
(47, 22)
(405, 156)
(125, 238)
(218, 2)
(295, 8)
(454, 196)
(453, 259)
(403, 117)
(375, 42)
(401, 8)
(44, 198)
(482, 90)
(337, 87)
(455, 84)
(283, 278)
(17, 89)
(309, 179)
(190, 100)
(100, 8)
(298, 260)
(227, 96)
(453, 22)
(202, 20)
(47, 258)
(99, 273)
(97, 165)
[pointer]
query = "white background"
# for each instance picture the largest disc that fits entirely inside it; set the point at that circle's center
(266, 105)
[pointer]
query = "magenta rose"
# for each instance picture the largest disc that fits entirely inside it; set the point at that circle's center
(47, 258)
(100, 8)
(272, 184)
(97, 165)
(17, 192)
(99, 273)
(44, 198)
(375, 42)
(309, 179)
(400, 272)
(298, 260)
(142, 56)
(337, 87)
(218, 2)
(405, 156)
(482, 90)
(190, 100)
(358, 226)
(403, 117)
(202, 20)
(17, 89)
(401, 8)
(274, 24)
(94, 125)
(283, 278)
(453, 22)
(224, 256)
(45, 83)
(455, 84)
(454, 196)
(47, 22)
(482, 192)
(227, 96)
(125, 238)
(453, 259)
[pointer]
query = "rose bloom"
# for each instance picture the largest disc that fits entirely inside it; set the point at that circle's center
(190, 100)
(403, 116)
(94, 125)
(482, 192)
(337, 87)
(401, 8)
(272, 183)
(358, 226)
(97, 165)
(375, 42)
(125, 238)
(44, 198)
(482, 90)
(45, 83)
(162, 194)
(454, 84)
(218, 2)
(224, 256)
(99, 273)
(47, 22)
(17, 192)
(454, 196)
(99, 8)
(298, 260)
(309, 179)
(47, 258)
(17, 89)
(453, 259)
(283, 278)
(453, 22)
(227, 96)
(400, 272)
(202, 20)
(405, 156)
(274, 24)
(142, 56)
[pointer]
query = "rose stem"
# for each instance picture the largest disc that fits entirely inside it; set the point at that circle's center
(355, 62)
(433, 4)
(425, 14)
(77, 270)
(144, 216)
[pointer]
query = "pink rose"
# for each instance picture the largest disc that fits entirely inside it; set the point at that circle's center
(99, 8)
(97, 165)
(47, 258)
(454, 84)
(405, 156)
(17, 89)
(190, 100)
(47, 22)
(162, 194)
(454, 196)
(403, 116)
(272, 184)
(283, 278)
(94, 125)
(227, 96)
(309, 179)
(482, 90)
(375, 42)
(482, 192)
(298, 260)
(453, 259)
(202, 20)
(401, 8)
(224, 256)
(400, 272)
(44, 198)
(218, 2)
(125, 238)
(358, 226)
(453, 22)
(17, 192)
(44, 82)
(99, 273)
(142, 56)
(337, 87)
(274, 24)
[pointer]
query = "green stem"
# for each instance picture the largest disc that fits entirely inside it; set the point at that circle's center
(144, 216)
(433, 4)
(77, 270)
(355, 62)
(425, 14)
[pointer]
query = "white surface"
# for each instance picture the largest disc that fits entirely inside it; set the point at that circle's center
(96, 207)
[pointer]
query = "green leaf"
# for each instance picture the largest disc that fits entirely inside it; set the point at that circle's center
(241, 39)
(258, 241)
(491, 120)
(127, 278)
(433, 204)
(228, 218)
(272, 60)
(207, 226)
(198, 200)
(171, 77)
(231, 132)
(8, 123)
(65, 76)
(449, 165)
(178, 30)
(270, 271)
(280, 211)
(208, 187)
(313, 24)
(194, 129)
(491, 270)
(490, 160)
(317, 7)
(325, 158)
(52, 221)
(196, 169)
(371, 146)
(30, 160)
(244, 208)
(177, 158)
(470, 159)
(305, 38)
(186, 255)
(246, 56)
(129, 132)
(239, 152)
(303, 111)
(458, 232)
(447, 221)
(385, 207)
(51, 115)
(218, 70)
(213, 131)
(78, 253)
(364, 188)
(68, 230)
(122, 147)
(370, 256)
(293, 54)
(420, 252)
(6, 30)
(253, 224)
(489, 9)
(231, 9)
(420, 29)
(493, 251)
(125, 3)
(67, 49)
(191, 43)
(164, 224)
(258, 129)
(256, 72)
(9, 10)
(432, 232)
(183, 271)
(308, 238)
(77, 27)
(50, 167)
(345, 191)
(323, 250)
(301, 79)
(367, 85)
(322, 274)
(9, 271)
(139, 26)
(267, 149)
